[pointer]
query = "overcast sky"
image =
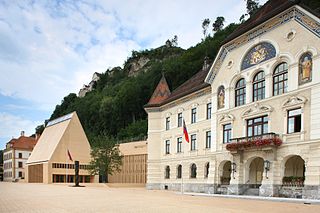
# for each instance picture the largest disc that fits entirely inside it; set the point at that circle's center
(49, 49)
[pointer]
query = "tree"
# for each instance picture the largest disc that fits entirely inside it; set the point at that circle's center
(39, 129)
(252, 6)
(218, 24)
(105, 156)
(205, 25)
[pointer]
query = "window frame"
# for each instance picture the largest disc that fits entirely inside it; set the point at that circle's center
(260, 123)
(255, 87)
(209, 110)
(294, 117)
(179, 124)
(193, 171)
(283, 82)
(167, 172)
(167, 147)
(179, 145)
(208, 139)
(167, 123)
(179, 171)
(193, 115)
(240, 91)
(193, 142)
(226, 128)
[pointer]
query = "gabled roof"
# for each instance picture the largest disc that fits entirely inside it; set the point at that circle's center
(195, 83)
(23, 142)
(267, 11)
(161, 93)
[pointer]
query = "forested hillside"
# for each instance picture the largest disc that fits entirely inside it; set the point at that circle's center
(115, 106)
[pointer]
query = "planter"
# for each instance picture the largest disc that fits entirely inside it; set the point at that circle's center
(254, 143)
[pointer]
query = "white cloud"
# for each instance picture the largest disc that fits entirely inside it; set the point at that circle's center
(12, 125)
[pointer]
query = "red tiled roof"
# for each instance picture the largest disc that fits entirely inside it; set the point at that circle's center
(194, 84)
(23, 142)
(267, 11)
(161, 93)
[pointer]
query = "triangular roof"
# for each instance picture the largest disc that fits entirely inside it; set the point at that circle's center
(161, 93)
(267, 11)
(23, 142)
(61, 134)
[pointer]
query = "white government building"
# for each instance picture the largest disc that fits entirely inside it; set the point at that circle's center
(253, 116)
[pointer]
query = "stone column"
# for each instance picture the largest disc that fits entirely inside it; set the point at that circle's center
(236, 186)
(268, 187)
(311, 189)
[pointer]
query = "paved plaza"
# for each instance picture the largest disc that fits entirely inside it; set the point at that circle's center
(22, 197)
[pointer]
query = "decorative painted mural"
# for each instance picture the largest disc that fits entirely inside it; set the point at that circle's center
(259, 53)
(305, 68)
(221, 97)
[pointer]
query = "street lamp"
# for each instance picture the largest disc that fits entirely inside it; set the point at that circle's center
(233, 168)
(267, 167)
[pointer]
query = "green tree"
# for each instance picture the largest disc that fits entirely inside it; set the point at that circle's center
(39, 129)
(105, 156)
(218, 24)
(205, 25)
(252, 6)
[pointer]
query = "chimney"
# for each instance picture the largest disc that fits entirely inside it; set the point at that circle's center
(22, 133)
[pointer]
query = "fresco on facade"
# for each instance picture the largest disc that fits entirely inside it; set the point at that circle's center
(305, 68)
(259, 53)
(221, 97)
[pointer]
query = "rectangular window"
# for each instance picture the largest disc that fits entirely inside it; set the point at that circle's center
(193, 115)
(294, 120)
(209, 111)
(180, 119)
(20, 174)
(257, 126)
(20, 164)
(167, 147)
(208, 139)
(179, 145)
(167, 123)
(227, 133)
(20, 155)
(193, 142)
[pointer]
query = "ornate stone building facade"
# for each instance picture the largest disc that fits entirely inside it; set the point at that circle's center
(253, 117)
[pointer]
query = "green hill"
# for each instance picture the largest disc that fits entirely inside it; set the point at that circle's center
(115, 106)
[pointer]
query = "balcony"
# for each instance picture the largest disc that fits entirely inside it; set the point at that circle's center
(254, 142)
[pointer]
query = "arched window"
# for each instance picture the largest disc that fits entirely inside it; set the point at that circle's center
(258, 86)
(206, 170)
(179, 171)
(167, 175)
(240, 92)
(193, 171)
(280, 79)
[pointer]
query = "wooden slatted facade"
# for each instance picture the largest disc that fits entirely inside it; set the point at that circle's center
(35, 173)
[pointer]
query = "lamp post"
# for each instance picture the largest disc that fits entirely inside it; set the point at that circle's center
(233, 168)
(266, 167)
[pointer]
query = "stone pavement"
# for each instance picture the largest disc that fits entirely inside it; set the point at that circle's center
(23, 197)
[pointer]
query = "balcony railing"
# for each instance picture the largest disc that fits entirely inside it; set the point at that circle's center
(269, 139)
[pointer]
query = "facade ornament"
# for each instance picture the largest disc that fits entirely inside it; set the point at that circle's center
(294, 101)
(226, 118)
(257, 109)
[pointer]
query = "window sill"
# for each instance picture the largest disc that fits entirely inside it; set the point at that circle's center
(294, 137)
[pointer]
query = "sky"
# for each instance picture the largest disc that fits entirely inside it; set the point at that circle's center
(49, 49)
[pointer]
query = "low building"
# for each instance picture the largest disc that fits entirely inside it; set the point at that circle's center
(62, 142)
(134, 164)
(15, 157)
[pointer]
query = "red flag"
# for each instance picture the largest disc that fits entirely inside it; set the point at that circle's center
(69, 155)
(185, 131)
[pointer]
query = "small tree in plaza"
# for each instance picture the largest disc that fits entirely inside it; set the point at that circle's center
(105, 156)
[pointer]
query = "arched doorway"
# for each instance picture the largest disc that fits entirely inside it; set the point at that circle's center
(294, 172)
(225, 176)
(256, 172)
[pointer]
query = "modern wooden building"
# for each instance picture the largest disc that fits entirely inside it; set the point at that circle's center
(62, 142)
(134, 164)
